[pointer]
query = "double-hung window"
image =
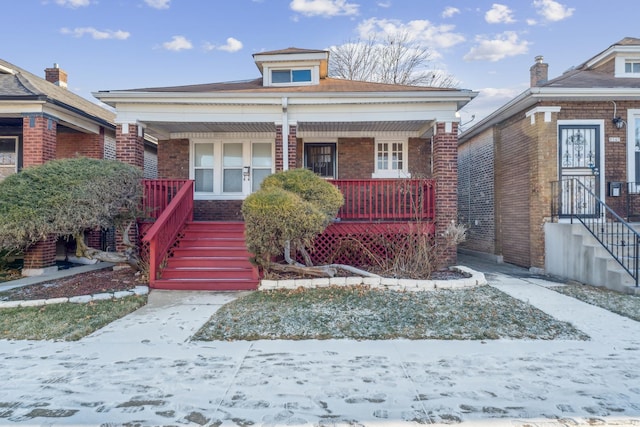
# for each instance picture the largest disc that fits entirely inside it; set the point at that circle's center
(203, 167)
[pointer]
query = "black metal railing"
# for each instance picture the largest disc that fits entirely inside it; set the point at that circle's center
(572, 199)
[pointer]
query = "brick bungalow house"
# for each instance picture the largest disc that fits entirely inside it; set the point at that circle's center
(520, 168)
(40, 120)
(224, 138)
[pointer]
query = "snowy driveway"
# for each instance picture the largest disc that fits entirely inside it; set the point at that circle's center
(141, 370)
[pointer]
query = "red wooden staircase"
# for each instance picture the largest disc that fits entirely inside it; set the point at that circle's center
(209, 256)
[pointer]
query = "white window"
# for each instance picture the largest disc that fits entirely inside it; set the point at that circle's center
(291, 76)
(8, 156)
(391, 159)
(203, 167)
(229, 169)
(632, 67)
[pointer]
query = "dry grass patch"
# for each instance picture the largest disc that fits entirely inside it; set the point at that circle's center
(616, 302)
(64, 322)
(367, 314)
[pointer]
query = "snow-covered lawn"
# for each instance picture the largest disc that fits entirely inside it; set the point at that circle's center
(369, 314)
(616, 302)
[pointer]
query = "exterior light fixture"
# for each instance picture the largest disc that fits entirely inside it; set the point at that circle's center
(618, 122)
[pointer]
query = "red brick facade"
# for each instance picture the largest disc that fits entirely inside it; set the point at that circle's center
(75, 144)
(130, 145)
(39, 140)
(41, 255)
(524, 160)
(445, 172)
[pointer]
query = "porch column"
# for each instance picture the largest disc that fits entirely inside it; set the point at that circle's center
(39, 146)
(445, 172)
(293, 146)
(279, 148)
(130, 150)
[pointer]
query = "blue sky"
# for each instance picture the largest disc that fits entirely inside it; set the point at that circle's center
(487, 45)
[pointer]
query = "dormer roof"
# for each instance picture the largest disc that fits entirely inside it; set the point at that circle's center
(294, 55)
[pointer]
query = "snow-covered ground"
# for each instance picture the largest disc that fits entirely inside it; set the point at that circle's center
(143, 370)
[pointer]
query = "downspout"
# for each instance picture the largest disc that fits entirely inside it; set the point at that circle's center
(285, 134)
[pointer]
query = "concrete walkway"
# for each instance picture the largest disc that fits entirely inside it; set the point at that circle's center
(143, 370)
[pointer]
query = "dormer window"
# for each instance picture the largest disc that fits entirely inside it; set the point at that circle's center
(291, 76)
(292, 67)
(632, 67)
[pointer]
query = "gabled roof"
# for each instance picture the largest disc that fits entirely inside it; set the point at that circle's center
(584, 82)
(23, 85)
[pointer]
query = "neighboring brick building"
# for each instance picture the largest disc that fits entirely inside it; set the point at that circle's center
(228, 136)
(583, 124)
(41, 121)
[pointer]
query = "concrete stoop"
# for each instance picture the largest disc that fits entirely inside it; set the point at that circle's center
(573, 253)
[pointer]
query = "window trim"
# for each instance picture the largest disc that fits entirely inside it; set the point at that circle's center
(633, 133)
(621, 62)
(218, 168)
(16, 152)
(313, 69)
(391, 173)
(327, 142)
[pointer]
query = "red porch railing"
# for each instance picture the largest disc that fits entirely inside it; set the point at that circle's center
(387, 199)
(162, 234)
(158, 193)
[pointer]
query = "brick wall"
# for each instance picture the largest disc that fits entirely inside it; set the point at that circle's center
(355, 158)
(217, 210)
(129, 146)
(445, 171)
(39, 140)
(72, 144)
(41, 255)
(278, 149)
(173, 159)
(512, 168)
(420, 158)
(476, 192)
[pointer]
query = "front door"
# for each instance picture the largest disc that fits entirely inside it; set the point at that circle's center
(579, 152)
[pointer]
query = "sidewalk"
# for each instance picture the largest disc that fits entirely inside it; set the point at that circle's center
(142, 370)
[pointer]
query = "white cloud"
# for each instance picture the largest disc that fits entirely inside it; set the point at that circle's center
(178, 43)
(158, 4)
(502, 46)
(488, 100)
(73, 3)
(499, 14)
(326, 8)
(233, 45)
(384, 4)
(449, 11)
(552, 10)
(96, 34)
(420, 31)
(531, 21)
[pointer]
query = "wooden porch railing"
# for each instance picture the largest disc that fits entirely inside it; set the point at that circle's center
(162, 234)
(158, 193)
(387, 199)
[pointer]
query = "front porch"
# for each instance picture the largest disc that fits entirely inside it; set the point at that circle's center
(374, 209)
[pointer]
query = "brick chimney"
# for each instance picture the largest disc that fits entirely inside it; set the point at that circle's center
(56, 76)
(539, 72)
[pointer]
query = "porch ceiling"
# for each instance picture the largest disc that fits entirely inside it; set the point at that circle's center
(202, 127)
(417, 127)
(410, 127)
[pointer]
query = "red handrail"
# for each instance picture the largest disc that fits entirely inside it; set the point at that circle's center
(158, 193)
(386, 199)
(162, 234)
